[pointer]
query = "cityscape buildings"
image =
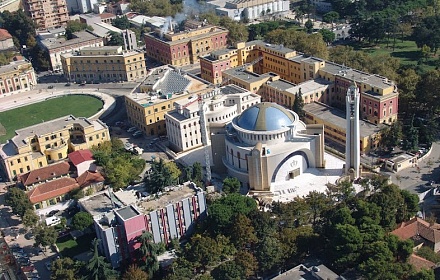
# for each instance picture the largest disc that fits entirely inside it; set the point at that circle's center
(249, 9)
(17, 76)
(47, 14)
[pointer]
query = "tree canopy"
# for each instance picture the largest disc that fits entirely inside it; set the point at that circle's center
(18, 200)
(82, 220)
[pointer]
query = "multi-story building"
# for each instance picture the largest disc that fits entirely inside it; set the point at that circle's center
(379, 96)
(335, 126)
(185, 47)
(55, 47)
(249, 9)
(167, 217)
(37, 146)
(162, 87)
(220, 107)
(47, 14)
(104, 64)
(17, 76)
(80, 6)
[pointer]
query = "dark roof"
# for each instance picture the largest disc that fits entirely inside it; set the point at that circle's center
(45, 173)
(127, 212)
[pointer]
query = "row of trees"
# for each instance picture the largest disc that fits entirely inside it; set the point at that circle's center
(237, 241)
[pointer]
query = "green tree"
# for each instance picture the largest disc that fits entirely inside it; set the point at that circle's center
(18, 200)
(174, 170)
(242, 232)
(160, 177)
(238, 32)
(116, 39)
(197, 174)
(298, 104)
(330, 17)
(269, 254)
(228, 271)
(309, 26)
(345, 246)
(74, 26)
(427, 253)
(247, 262)
(411, 142)
(327, 35)
(121, 22)
(98, 268)
(317, 202)
(378, 257)
(391, 135)
(424, 33)
(203, 251)
(45, 236)
(81, 221)
(30, 219)
(65, 269)
(423, 274)
(231, 185)
(134, 273)
(148, 253)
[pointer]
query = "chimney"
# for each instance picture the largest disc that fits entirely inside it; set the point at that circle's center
(171, 25)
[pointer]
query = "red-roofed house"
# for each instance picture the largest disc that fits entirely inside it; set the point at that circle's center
(5, 40)
(421, 232)
(50, 172)
(107, 17)
(83, 161)
(420, 263)
(52, 192)
(91, 180)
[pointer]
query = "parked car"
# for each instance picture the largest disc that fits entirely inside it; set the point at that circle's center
(28, 268)
(136, 133)
(24, 261)
(68, 84)
(131, 129)
(53, 213)
(50, 87)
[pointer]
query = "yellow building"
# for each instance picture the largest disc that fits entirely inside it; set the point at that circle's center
(335, 126)
(48, 142)
(103, 64)
(17, 76)
(162, 87)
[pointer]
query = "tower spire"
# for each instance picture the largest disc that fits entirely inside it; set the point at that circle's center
(352, 145)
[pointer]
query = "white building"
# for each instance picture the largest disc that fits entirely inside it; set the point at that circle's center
(220, 107)
(80, 6)
(249, 9)
(268, 144)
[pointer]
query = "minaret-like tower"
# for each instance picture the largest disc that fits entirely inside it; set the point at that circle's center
(352, 144)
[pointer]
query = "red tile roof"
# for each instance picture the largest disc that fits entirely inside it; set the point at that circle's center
(52, 189)
(45, 173)
(4, 34)
(80, 156)
(107, 15)
(419, 262)
(88, 178)
(415, 227)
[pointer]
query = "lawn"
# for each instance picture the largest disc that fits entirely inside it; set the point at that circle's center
(405, 50)
(77, 105)
(70, 248)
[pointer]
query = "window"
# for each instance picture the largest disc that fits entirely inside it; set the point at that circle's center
(90, 138)
(19, 160)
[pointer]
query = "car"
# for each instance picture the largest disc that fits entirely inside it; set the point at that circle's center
(137, 134)
(53, 213)
(1, 179)
(19, 255)
(63, 233)
(28, 268)
(50, 87)
(24, 261)
(29, 235)
(131, 129)
(82, 84)
(47, 265)
(68, 84)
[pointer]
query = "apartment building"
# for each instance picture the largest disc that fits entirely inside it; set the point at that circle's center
(181, 48)
(56, 46)
(47, 14)
(17, 76)
(169, 216)
(163, 86)
(220, 106)
(379, 96)
(249, 9)
(39, 145)
(103, 64)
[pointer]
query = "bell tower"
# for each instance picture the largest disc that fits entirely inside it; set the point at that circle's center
(352, 144)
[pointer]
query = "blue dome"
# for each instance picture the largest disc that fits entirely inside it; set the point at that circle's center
(265, 117)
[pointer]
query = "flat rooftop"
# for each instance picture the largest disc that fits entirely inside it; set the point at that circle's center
(127, 212)
(81, 37)
(179, 193)
(337, 118)
(310, 86)
(401, 157)
(15, 65)
(247, 76)
(99, 205)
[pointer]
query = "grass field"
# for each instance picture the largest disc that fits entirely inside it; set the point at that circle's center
(70, 248)
(77, 105)
(406, 51)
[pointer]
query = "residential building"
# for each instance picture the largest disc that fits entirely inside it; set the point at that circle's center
(55, 47)
(300, 272)
(335, 126)
(83, 161)
(185, 47)
(169, 216)
(103, 64)
(47, 14)
(162, 87)
(107, 17)
(400, 162)
(379, 96)
(268, 145)
(118, 8)
(39, 145)
(17, 76)
(220, 107)
(6, 41)
(421, 232)
(249, 9)
(145, 21)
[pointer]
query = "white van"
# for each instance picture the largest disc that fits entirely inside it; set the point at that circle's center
(51, 221)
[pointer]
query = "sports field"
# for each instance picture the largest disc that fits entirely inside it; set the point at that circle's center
(77, 105)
